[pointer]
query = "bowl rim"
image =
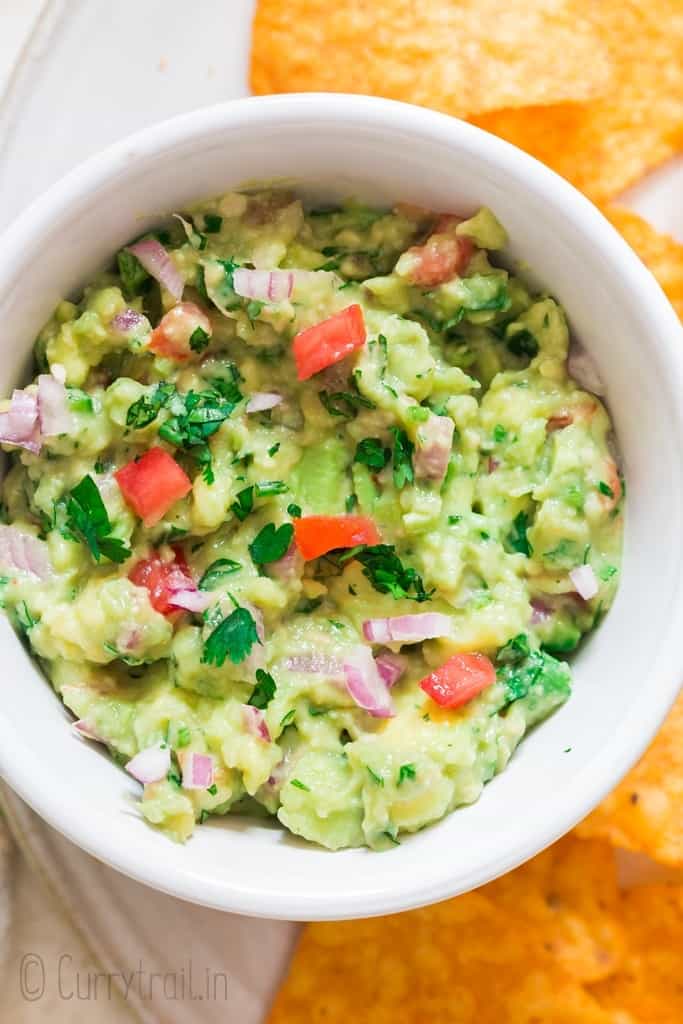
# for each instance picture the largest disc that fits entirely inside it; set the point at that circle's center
(637, 729)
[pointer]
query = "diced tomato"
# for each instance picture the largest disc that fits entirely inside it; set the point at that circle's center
(442, 257)
(329, 341)
(152, 483)
(559, 421)
(171, 337)
(581, 413)
(316, 535)
(162, 580)
(459, 679)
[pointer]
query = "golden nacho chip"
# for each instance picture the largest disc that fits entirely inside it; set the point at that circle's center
(607, 144)
(661, 253)
(649, 983)
(518, 950)
(459, 56)
(645, 812)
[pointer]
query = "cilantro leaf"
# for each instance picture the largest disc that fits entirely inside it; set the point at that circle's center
(271, 543)
(132, 273)
(199, 339)
(517, 538)
(514, 650)
(216, 571)
(212, 223)
(87, 519)
(300, 785)
(605, 489)
(264, 691)
(371, 452)
(522, 343)
(201, 416)
(387, 574)
(294, 510)
(232, 638)
(345, 403)
(244, 499)
(403, 458)
(406, 771)
(146, 409)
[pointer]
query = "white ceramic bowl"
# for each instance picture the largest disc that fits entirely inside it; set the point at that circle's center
(628, 673)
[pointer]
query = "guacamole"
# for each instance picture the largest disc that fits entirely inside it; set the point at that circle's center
(305, 512)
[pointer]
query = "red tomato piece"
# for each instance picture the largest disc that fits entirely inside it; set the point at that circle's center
(316, 535)
(152, 483)
(162, 580)
(329, 341)
(171, 337)
(442, 257)
(459, 679)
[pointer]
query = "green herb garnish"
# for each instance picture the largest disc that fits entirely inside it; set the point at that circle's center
(402, 457)
(232, 638)
(300, 785)
(146, 409)
(517, 537)
(377, 779)
(217, 571)
(294, 510)
(199, 339)
(406, 771)
(183, 736)
(605, 489)
(87, 519)
(271, 543)
(132, 273)
(371, 452)
(264, 691)
(386, 572)
(212, 223)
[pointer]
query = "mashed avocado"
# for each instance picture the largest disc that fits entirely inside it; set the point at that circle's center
(304, 513)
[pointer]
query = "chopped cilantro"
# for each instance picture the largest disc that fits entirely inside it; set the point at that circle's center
(264, 691)
(315, 712)
(299, 784)
(274, 449)
(514, 650)
(254, 307)
(607, 572)
(605, 489)
(132, 273)
(216, 571)
(308, 605)
(79, 400)
(146, 409)
(387, 574)
(392, 834)
(402, 457)
(377, 779)
(212, 789)
(200, 284)
(564, 551)
(202, 414)
(454, 520)
(499, 433)
(288, 718)
(212, 223)
(87, 518)
(244, 499)
(517, 537)
(271, 543)
(24, 617)
(183, 736)
(174, 778)
(199, 339)
(232, 638)
(345, 403)
(418, 413)
(406, 771)
(371, 452)
(294, 510)
(350, 503)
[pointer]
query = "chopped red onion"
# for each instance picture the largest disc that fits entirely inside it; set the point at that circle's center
(86, 731)
(150, 765)
(493, 464)
(157, 262)
(197, 771)
(260, 401)
(540, 612)
(433, 449)
(127, 320)
(53, 411)
(582, 368)
(264, 285)
(585, 583)
(58, 372)
(19, 425)
(23, 552)
(255, 722)
(407, 629)
(390, 666)
(365, 684)
(191, 600)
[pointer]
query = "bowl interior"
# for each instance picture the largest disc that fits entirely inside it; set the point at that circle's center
(625, 676)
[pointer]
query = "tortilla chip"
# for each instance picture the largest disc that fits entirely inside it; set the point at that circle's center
(661, 253)
(649, 983)
(607, 144)
(459, 56)
(645, 811)
(518, 950)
